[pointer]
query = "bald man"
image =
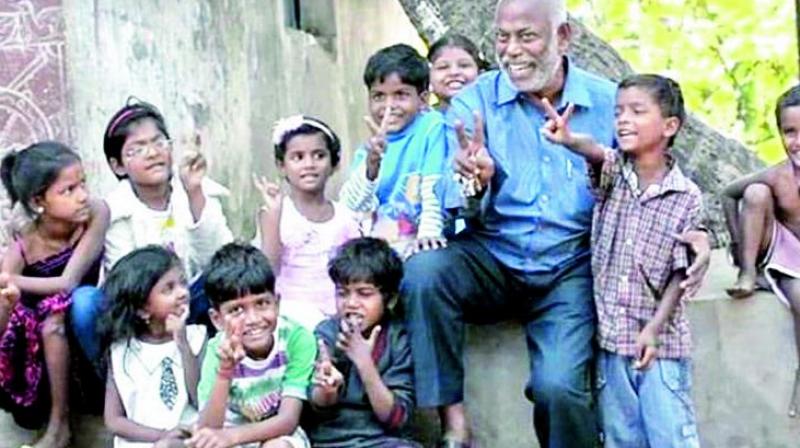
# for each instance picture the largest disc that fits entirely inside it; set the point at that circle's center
(525, 252)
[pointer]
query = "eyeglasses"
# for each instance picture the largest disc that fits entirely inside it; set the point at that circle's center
(160, 144)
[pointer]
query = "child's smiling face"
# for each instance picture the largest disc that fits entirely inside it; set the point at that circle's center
(790, 133)
(402, 101)
(640, 124)
(256, 315)
(452, 69)
(169, 296)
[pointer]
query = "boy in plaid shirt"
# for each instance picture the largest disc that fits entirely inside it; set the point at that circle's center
(643, 202)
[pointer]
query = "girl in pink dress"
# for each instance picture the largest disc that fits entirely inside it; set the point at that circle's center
(58, 250)
(301, 229)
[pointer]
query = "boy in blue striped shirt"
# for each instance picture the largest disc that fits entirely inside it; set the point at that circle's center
(394, 173)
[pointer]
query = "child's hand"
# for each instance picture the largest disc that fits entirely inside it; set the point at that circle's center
(270, 195)
(473, 165)
(352, 343)
(178, 432)
(556, 128)
(231, 350)
(699, 244)
(210, 438)
(646, 347)
(193, 167)
(376, 144)
(326, 376)
(9, 292)
(176, 324)
(428, 243)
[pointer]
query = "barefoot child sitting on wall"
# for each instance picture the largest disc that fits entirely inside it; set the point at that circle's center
(763, 215)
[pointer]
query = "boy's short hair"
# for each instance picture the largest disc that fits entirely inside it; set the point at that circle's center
(789, 98)
(399, 59)
(237, 270)
(119, 127)
(369, 260)
(665, 91)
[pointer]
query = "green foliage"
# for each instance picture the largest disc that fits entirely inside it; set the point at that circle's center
(732, 58)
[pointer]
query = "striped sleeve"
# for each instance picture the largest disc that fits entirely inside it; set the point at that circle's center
(430, 220)
(358, 192)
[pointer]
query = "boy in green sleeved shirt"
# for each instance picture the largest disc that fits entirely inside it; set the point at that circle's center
(257, 369)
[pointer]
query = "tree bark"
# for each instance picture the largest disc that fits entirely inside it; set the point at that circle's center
(708, 157)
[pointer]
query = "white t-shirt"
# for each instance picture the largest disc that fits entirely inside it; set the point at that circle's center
(138, 367)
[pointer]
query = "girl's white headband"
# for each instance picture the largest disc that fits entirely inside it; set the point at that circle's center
(285, 125)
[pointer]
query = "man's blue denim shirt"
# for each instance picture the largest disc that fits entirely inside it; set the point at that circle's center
(537, 213)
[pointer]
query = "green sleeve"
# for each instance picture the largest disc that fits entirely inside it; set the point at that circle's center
(301, 351)
(208, 372)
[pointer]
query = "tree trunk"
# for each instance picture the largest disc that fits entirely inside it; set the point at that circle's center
(709, 158)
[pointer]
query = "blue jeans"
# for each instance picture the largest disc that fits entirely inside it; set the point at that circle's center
(88, 304)
(463, 283)
(646, 408)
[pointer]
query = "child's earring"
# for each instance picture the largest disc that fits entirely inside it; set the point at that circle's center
(145, 317)
(37, 210)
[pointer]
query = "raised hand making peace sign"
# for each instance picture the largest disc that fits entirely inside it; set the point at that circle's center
(473, 165)
(556, 128)
(376, 144)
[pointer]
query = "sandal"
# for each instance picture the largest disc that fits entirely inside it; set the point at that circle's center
(794, 406)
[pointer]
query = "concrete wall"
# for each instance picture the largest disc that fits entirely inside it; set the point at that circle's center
(744, 364)
(225, 69)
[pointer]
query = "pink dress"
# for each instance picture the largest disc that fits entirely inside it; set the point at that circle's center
(307, 293)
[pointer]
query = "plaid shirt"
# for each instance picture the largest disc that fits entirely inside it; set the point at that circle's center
(634, 253)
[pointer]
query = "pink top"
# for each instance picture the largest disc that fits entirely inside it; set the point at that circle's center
(306, 248)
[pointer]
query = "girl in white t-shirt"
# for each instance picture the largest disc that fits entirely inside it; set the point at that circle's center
(151, 390)
(301, 230)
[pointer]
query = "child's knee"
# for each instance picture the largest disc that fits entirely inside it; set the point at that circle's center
(757, 194)
(53, 325)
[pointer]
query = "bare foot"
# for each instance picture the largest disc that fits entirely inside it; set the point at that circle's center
(57, 436)
(744, 287)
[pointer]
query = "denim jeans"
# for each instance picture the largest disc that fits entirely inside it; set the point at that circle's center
(463, 283)
(88, 304)
(646, 408)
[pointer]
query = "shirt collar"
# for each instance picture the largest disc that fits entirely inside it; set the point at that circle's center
(574, 90)
(400, 134)
(673, 181)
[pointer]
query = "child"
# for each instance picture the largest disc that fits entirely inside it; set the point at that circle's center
(363, 390)
(58, 250)
(152, 206)
(256, 372)
(766, 226)
(301, 230)
(151, 387)
(455, 62)
(394, 174)
(643, 202)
